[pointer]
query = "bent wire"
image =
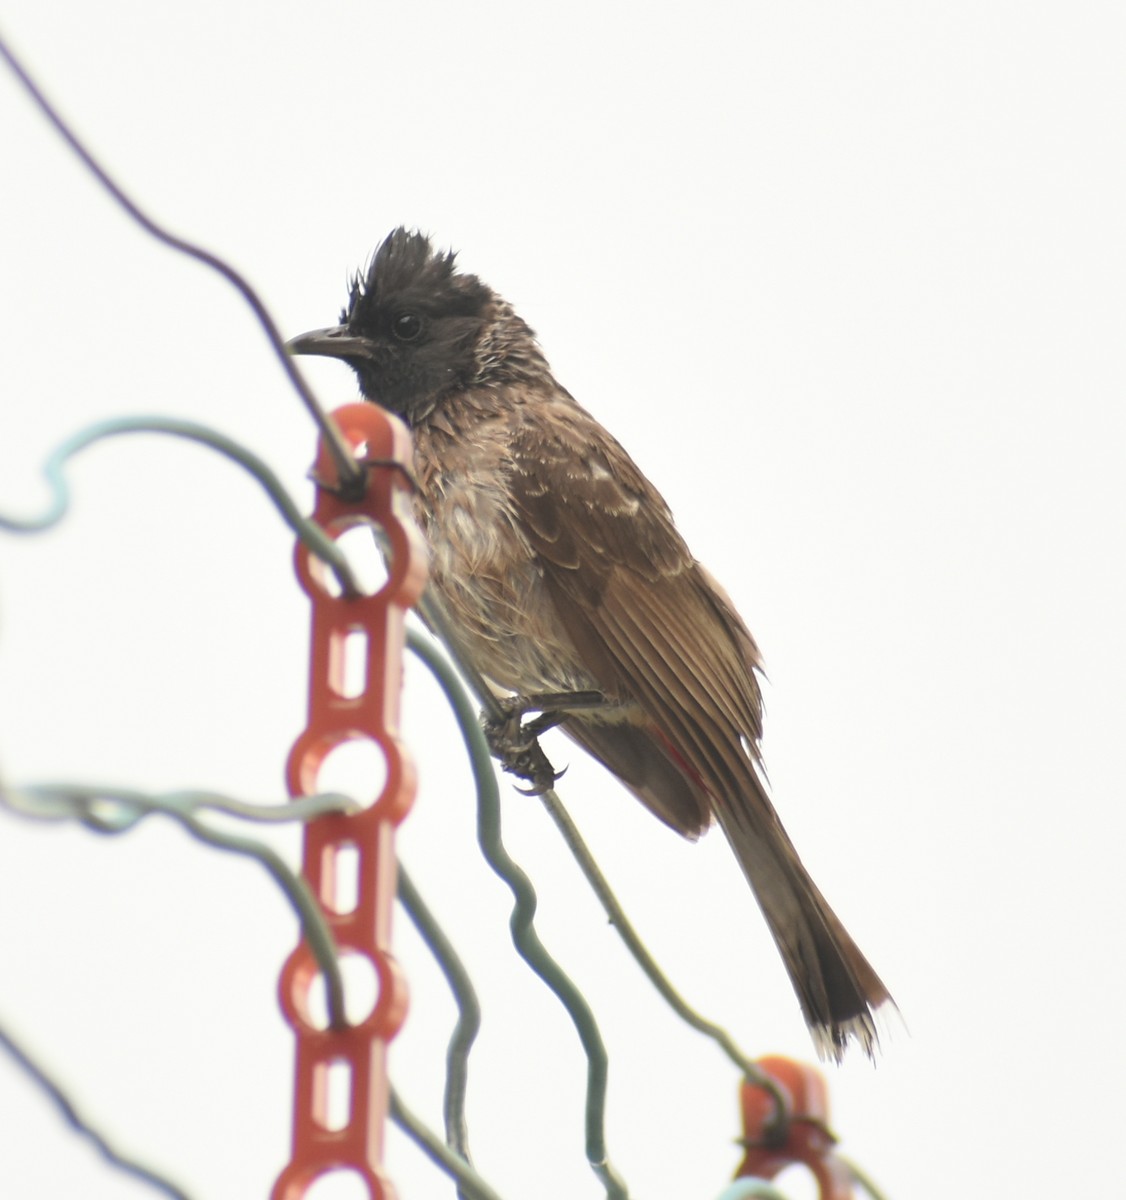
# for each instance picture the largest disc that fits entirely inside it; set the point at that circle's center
(112, 810)
(521, 923)
(308, 531)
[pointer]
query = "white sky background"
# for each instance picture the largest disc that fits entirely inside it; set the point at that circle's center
(848, 283)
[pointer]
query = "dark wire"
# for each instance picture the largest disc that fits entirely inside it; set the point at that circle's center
(351, 475)
(72, 1117)
(470, 1184)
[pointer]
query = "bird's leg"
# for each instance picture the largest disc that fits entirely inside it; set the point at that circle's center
(515, 742)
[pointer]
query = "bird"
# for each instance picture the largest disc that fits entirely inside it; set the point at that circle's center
(564, 574)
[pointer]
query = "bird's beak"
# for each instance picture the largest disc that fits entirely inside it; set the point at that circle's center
(337, 341)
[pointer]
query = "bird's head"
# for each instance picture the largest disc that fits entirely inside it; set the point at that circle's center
(413, 327)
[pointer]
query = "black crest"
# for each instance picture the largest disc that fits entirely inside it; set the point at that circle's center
(406, 272)
(416, 331)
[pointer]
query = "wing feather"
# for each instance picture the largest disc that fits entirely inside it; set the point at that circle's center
(644, 615)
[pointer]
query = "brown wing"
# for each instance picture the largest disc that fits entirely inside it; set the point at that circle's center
(649, 622)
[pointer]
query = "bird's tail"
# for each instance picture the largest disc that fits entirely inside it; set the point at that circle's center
(838, 990)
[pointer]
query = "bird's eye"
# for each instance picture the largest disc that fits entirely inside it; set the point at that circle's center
(407, 326)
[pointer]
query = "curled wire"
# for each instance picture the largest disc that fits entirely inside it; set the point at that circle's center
(468, 1022)
(351, 474)
(521, 923)
(113, 810)
(310, 533)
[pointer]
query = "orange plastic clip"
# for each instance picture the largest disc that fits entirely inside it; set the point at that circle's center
(352, 1138)
(807, 1140)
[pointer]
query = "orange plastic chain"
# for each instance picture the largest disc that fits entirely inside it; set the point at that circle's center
(807, 1141)
(363, 843)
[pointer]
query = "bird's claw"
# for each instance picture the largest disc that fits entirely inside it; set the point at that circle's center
(543, 777)
(516, 746)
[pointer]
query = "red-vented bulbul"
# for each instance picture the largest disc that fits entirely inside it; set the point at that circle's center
(561, 567)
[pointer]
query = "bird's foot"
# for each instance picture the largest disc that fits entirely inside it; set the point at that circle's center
(514, 742)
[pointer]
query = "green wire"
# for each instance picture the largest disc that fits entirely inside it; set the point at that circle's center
(468, 1023)
(127, 807)
(310, 533)
(469, 1182)
(524, 935)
